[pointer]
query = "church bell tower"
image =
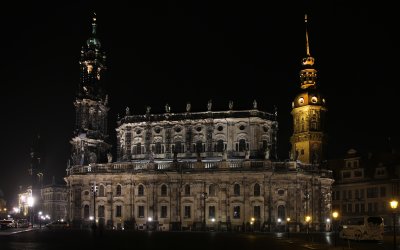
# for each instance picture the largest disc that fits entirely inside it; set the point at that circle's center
(308, 111)
(91, 105)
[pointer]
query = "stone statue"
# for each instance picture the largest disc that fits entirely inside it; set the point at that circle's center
(148, 109)
(109, 157)
(151, 156)
(188, 107)
(167, 108)
(247, 154)
(92, 157)
(275, 110)
(254, 104)
(127, 112)
(209, 105)
(267, 153)
(230, 105)
(175, 156)
(224, 155)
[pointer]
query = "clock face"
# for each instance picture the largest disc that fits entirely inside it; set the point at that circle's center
(314, 99)
(301, 100)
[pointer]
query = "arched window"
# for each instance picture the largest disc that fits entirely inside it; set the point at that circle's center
(138, 148)
(178, 147)
(86, 212)
(101, 191)
(199, 146)
(212, 190)
(158, 148)
(220, 146)
(187, 189)
(242, 145)
(140, 190)
(119, 190)
(236, 190)
(281, 212)
(101, 211)
(164, 190)
(257, 189)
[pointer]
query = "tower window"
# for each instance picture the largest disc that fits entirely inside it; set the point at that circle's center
(242, 145)
(302, 151)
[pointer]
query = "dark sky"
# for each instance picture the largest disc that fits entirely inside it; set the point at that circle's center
(180, 51)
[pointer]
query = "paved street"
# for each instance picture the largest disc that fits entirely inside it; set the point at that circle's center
(84, 239)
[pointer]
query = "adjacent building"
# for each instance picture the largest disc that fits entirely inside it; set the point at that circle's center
(195, 170)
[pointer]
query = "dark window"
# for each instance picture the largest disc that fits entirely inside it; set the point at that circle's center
(236, 212)
(198, 129)
(158, 148)
(357, 208)
(281, 212)
(211, 212)
(257, 212)
(199, 147)
(187, 189)
(86, 212)
(101, 211)
(257, 190)
(141, 212)
(178, 147)
(164, 190)
(101, 191)
(211, 190)
(187, 212)
(281, 192)
(119, 191)
(383, 191)
(140, 190)
(357, 173)
(242, 145)
(220, 146)
(302, 151)
(361, 193)
(346, 174)
(118, 211)
(220, 128)
(362, 208)
(372, 192)
(242, 127)
(178, 129)
(138, 148)
(164, 213)
(236, 190)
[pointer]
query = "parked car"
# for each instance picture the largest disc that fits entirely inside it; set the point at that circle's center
(4, 224)
(23, 223)
(58, 225)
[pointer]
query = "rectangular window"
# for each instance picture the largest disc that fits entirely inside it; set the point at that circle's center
(362, 208)
(344, 193)
(141, 212)
(164, 211)
(350, 194)
(211, 212)
(118, 211)
(361, 193)
(357, 208)
(369, 207)
(349, 208)
(383, 191)
(372, 192)
(236, 212)
(257, 212)
(357, 194)
(187, 212)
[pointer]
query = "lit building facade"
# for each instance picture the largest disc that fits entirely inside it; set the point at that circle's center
(186, 170)
(54, 201)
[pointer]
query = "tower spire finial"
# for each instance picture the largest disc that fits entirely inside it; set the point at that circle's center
(94, 24)
(307, 43)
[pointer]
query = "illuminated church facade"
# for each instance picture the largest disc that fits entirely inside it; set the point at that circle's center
(195, 170)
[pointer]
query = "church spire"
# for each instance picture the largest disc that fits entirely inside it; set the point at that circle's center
(94, 24)
(308, 75)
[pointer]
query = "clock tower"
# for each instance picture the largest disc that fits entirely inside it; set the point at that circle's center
(308, 111)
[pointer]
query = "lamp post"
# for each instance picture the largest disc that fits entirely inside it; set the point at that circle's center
(287, 225)
(335, 216)
(308, 219)
(40, 219)
(31, 202)
(204, 196)
(393, 205)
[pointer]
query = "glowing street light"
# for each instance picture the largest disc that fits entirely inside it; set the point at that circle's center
(308, 219)
(287, 225)
(335, 216)
(393, 205)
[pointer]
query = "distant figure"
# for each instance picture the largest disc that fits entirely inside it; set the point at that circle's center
(209, 105)
(167, 108)
(148, 108)
(92, 157)
(188, 107)
(254, 104)
(230, 105)
(127, 112)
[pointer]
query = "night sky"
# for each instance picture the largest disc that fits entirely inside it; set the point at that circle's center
(180, 51)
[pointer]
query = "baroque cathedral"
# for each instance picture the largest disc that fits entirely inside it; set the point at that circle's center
(196, 170)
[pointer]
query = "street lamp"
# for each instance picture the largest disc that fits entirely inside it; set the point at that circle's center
(287, 225)
(40, 219)
(335, 216)
(308, 219)
(31, 202)
(393, 205)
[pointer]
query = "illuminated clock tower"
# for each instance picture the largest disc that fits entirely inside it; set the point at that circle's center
(308, 111)
(91, 106)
